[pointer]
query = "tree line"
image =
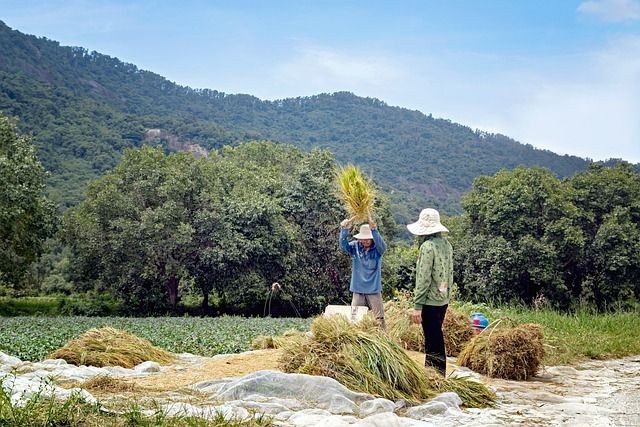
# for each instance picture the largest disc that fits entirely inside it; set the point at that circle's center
(162, 227)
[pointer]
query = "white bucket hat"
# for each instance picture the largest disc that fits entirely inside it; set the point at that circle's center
(365, 233)
(427, 223)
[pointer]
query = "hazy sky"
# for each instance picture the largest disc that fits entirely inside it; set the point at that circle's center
(558, 74)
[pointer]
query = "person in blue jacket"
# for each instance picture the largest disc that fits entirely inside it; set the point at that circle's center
(366, 266)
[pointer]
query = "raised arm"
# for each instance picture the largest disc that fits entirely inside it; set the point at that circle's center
(344, 237)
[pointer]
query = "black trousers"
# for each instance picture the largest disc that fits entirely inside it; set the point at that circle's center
(432, 319)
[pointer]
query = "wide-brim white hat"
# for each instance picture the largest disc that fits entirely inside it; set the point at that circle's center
(427, 223)
(365, 233)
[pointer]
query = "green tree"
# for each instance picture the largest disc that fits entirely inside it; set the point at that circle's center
(27, 218)
(521, 240)
(133, 235)
(608, 201)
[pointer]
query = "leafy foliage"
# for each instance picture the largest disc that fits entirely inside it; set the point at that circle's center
(33, 338)
(528, 237)
(84, 109)
(27, 218)
(227, 225)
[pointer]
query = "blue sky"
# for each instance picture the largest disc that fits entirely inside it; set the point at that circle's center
(558, 74)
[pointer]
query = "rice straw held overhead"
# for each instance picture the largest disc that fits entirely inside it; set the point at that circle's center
(356, 191)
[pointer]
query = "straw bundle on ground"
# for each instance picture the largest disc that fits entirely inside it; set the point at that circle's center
(370, 362)
(262, 342)
(106, 383)
(111, 347)
(456, 327)
(457, 331)
(356, 191)
(399, 326)
(501, 352)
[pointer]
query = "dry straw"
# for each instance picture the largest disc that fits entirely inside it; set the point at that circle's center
(111, 347)
(514, 353)
(356, 191)
(456, 327)
(365, 359)
(262, 342)
(105, 383)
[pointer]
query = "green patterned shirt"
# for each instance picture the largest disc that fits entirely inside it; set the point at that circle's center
(434, 272)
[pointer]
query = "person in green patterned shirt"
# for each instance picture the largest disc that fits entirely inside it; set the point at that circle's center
(434, 277)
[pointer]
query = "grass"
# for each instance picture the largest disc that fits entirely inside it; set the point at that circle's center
(569, 338)
(574, 337)
(41, 410)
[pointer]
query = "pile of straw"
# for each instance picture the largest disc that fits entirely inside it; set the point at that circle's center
(397, 314)
(111, 347)
(109, 384)
(457, 331)
(357, 192)
(365, 359)
(512, 353)
(456, 327)
(262, 342)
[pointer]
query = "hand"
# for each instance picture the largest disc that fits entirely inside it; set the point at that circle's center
(346, 223)
(372, 225)
(416, 316)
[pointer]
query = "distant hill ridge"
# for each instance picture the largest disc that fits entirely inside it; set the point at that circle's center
(84, 108)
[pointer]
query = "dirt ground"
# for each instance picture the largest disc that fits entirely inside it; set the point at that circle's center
(233, 365)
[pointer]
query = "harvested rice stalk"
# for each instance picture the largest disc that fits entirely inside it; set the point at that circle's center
(399, 326)
(106, 383)
(367, 361)
(111, 347)
(356, 191)
(501, 352)
(457, 331)
(456, 327)
(262, 342)
(472, 393)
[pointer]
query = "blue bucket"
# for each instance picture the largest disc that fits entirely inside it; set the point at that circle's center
(478, 321)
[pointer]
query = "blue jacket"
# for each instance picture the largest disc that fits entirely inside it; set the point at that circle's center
(366, 266)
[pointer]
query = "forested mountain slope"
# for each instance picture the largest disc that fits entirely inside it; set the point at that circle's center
(84, 108)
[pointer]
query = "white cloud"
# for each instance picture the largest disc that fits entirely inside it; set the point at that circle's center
(591, 109)
(612, 10)
(585, 104)
(321, 69)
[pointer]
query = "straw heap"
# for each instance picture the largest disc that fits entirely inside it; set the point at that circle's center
(356, 191)
(456, 327)
(262, 342)
(111, 347)
(501, 352)
(367, 360)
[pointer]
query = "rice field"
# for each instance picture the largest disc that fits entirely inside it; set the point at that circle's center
(33, 338)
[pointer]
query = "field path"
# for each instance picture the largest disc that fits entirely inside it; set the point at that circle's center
(595, 393)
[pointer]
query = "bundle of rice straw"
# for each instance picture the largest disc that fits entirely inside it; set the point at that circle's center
(501, 352)
(356, 191)
(262, 342)
(456, 327)
(399, 326)
(457, 331)
(111, 347)
(367, 360)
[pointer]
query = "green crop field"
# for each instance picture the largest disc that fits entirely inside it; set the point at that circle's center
(33, 338)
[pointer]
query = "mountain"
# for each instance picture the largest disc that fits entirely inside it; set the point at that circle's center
(84, 108)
